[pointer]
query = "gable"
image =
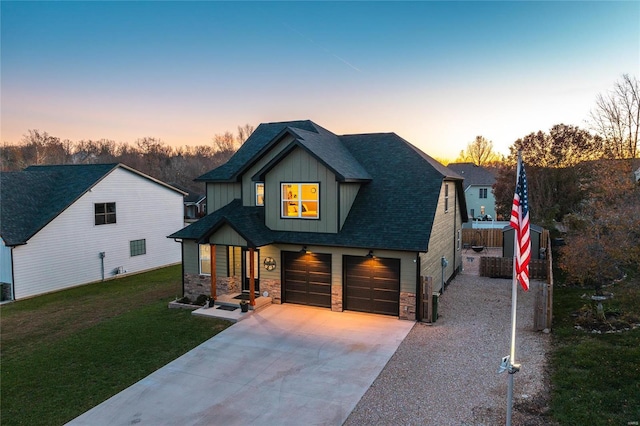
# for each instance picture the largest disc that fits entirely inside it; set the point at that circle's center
(35, 196)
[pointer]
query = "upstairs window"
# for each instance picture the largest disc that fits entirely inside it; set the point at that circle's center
(446, 197)
(483, 193)
(260, 194)
(105, 213)
(300, 200)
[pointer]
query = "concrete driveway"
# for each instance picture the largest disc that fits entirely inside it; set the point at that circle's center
(285, 365)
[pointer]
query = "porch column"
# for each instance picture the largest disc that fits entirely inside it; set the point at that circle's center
(252, 278)
(214, 279)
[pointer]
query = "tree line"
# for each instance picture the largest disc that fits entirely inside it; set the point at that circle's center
(175, 165)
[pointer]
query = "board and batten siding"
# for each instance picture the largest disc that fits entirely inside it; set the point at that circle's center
(191, 260)
(6, 273)
(228, 237)
(443, 239)
(221, 194)
(348, 193)
(248, 185)
(300, 167)
(65, 253)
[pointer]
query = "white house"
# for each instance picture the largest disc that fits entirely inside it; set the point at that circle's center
(68, 225)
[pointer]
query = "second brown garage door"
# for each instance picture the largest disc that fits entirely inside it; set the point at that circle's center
(372, 285)
(307, 278)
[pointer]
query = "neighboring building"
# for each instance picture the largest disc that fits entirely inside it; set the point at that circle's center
(67, 225)
(342, 222)
(478, 186)
(195, 205)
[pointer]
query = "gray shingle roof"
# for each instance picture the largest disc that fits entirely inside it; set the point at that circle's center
(319, 142)
(394, 210)
(472, 174)
(35, 196)
(32, 198)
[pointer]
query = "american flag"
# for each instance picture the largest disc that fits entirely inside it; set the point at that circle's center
(520, 222)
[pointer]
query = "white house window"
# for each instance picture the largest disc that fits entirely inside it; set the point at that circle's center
(105, 213)
(483, 193)
(260, 194)
(205, 259)
(300, 200)
(137, 247)
(446, 197)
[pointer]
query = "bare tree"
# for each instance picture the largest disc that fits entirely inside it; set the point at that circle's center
(244, 132)
(479, 152)
(616, 117)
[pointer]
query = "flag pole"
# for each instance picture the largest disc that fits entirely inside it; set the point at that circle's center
(512, 366)
(512, 353)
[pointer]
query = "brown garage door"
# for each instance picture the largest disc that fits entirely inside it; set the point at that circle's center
(307, 278)
(372, 285)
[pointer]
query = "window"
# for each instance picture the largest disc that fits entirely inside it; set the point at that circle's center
(483, 193)
(260, 194)
(138, 247)
(300, 200)
(105, 213)
(458, 239)
(205, 259)
(446, 197)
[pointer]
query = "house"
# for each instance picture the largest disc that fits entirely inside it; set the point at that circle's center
(478, 185)
(68, 225)
(301, 215)
(195, 205)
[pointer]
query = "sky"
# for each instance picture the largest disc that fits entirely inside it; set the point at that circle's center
(436, 73)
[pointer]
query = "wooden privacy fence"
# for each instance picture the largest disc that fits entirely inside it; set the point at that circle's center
(491, 237)
(482, 237)
(539, 269)
(502, 267)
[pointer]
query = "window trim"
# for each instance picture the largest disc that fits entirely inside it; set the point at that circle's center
(106, 214)
(299, 201)
(142, 248)
(256, 191)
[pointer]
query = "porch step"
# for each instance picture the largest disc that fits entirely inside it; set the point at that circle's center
(229, 300)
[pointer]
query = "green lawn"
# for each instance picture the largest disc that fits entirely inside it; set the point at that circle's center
(595, 377)
(66, 352)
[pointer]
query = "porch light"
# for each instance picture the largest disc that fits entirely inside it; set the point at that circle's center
(370, 255)
(304, 250)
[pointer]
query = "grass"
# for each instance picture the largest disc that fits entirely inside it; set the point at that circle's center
(65, 352)
(595, 377)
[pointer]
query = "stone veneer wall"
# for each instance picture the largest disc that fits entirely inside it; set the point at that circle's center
(274, 288)
(336, 298)
(196, 284)
(407, 306)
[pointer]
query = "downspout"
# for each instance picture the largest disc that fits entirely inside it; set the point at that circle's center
(455, 224)
(13, 277)
(419, 312)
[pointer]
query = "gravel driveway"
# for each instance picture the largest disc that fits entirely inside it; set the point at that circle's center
(446, 374)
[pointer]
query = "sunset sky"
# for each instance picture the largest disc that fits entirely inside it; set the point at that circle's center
(437, 74)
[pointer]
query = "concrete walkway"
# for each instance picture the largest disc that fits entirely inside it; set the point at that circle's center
(285, 365)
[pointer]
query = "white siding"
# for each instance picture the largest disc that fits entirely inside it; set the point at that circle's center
(65, 253)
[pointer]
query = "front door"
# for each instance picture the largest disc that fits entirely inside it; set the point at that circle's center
(246, 271)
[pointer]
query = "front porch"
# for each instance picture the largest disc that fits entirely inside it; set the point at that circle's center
(227, 306)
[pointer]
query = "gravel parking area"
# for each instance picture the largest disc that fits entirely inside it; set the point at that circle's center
(446, 373)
